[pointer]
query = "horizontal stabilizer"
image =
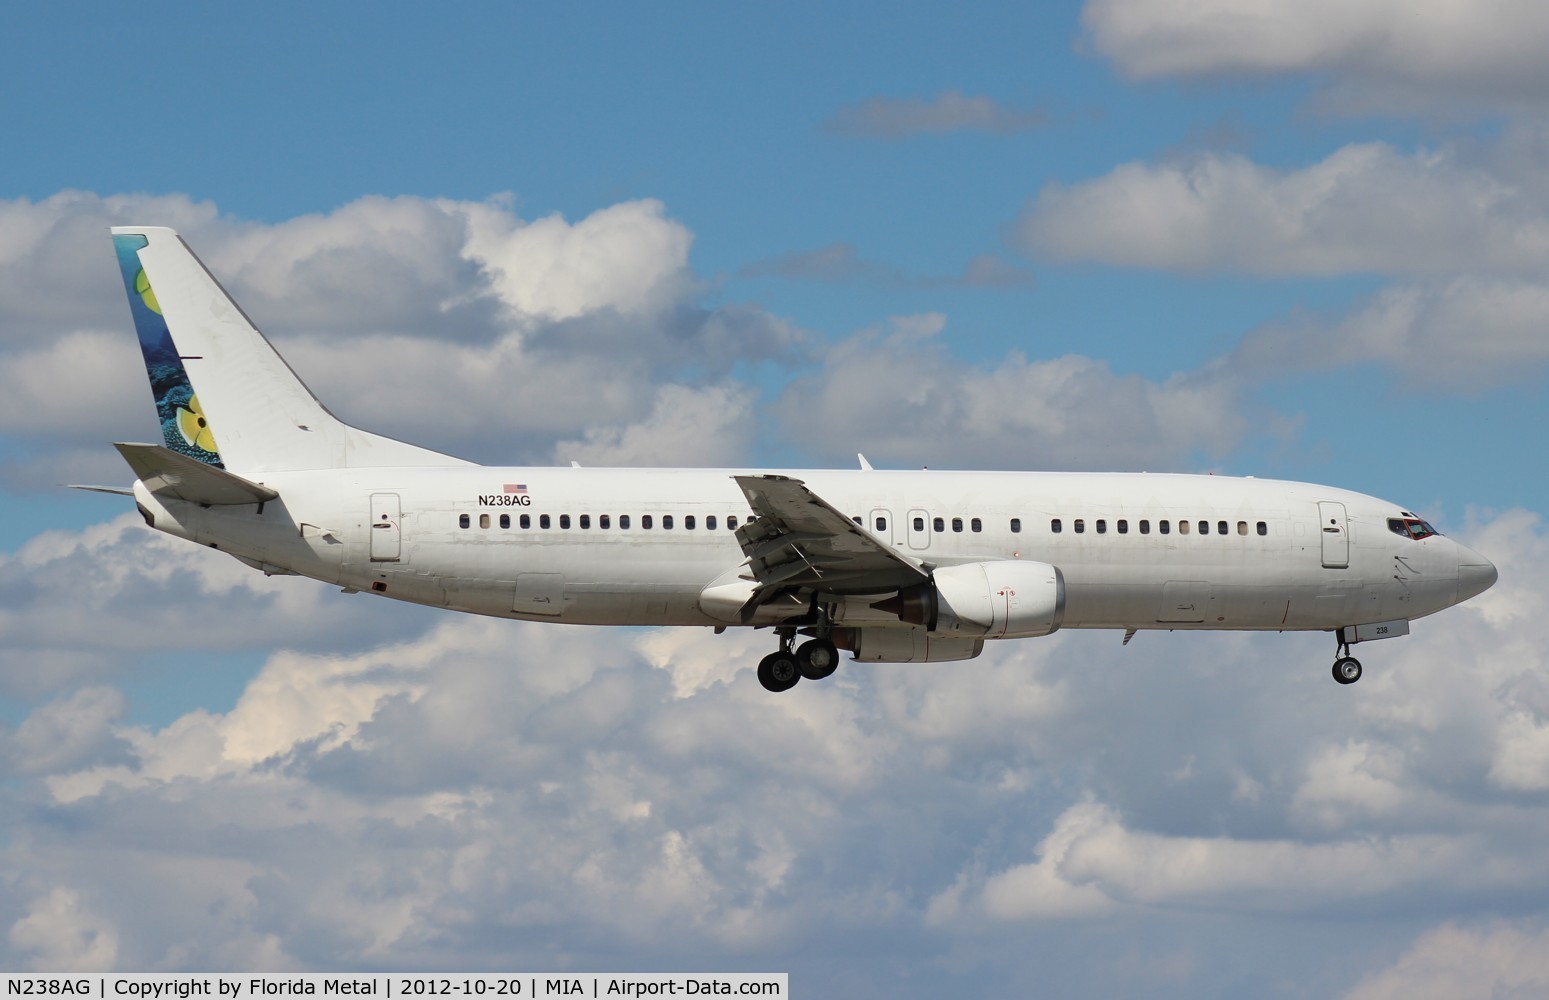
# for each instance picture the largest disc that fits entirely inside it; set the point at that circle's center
(117, 490)
(167, 473)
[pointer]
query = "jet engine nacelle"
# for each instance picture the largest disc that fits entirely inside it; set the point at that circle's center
(892, 644)
(991, 600)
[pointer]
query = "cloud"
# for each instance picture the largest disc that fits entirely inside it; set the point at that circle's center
(56, 264)
(60, 932)
(456, 324)
(1500, 959)
(898, 396)
(629, 257)
(707, 427)
(1092, 864)
(1385, 55)
(599, 795)
(1366, 208)
(949, 111)
(1466, 228)
(1464, 334)
(147, 595)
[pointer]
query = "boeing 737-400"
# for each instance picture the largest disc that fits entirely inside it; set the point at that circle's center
(892, 566)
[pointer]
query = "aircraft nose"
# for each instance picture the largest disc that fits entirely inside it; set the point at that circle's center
(1476, 574)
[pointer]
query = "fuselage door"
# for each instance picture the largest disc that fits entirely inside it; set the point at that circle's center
(386, 527)
(919, 529)
(1336, 534)
(882, 526)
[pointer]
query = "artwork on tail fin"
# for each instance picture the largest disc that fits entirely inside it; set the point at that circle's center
(183, 425)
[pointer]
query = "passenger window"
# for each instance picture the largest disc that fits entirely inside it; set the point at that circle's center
(1145, 527)
(543, 521)
(1242, 527)
(919, 524)
(957, 524)
(666, 522)
(856, 518)
(1080, 526)
(881, 524)
(1164, 527)
(586, 521)
(1263, 528)
(976, 525)
(688, 522)
(1183, 527)
(604, 521)
(1102, 526)
(525, 521)
(483, 520)
(645, 521)
(1055, 527)
(624, 522)
(731, 522)
(1222, 528)
(1204, 527)
(1016, 525)
(939, 524)
(564, 522)
(709, 522)
(462, 520)
(1123, 526)
(505, 520)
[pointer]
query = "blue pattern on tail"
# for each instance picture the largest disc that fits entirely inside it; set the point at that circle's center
(183, 425)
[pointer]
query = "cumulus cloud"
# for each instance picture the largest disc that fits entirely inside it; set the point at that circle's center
(1365, 208)
(56, 266)
(1467, 229)
(949, 111)
(1466, 333)
(897, 395)
(146, 593)
(1384, 55)
(1500, 959)
(628, 257)
(708, 427)
(454, 323)
(598, 795)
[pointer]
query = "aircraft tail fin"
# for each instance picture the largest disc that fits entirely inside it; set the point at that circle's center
(224, 396)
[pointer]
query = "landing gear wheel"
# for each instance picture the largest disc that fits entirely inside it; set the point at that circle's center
(817, 659)
(778, 671)
(1347, 670)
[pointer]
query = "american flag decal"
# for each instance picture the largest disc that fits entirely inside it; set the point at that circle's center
(518, 488)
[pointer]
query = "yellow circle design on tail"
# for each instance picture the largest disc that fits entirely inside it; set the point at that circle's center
(142, 287)
(192, 425)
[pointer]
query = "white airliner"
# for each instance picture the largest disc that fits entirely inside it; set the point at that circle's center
(892, 566)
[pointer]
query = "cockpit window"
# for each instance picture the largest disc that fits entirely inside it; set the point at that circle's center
(1411, 527)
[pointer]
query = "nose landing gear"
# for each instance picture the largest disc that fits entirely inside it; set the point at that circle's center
(814, 659)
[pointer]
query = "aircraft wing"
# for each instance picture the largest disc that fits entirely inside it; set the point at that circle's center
(800, 542)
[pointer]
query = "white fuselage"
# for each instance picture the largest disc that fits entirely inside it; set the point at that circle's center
(1271, 555)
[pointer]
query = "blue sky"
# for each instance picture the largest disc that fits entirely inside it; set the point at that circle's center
(1282, 239)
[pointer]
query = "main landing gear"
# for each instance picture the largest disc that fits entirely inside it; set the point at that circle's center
(1347, 669)
(814, 659)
